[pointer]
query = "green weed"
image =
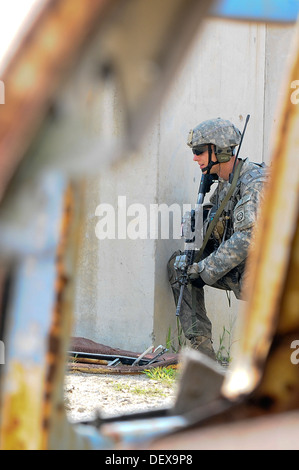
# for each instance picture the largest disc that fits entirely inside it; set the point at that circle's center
(223, 353)
(175, 341)
(138, 390)
(162, 374)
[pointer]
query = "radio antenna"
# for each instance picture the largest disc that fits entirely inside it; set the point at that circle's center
(242, 136)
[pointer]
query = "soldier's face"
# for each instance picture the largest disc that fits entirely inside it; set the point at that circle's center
(203, 160)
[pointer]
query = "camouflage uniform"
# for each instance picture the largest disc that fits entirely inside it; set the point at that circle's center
(223, 263)
(227, 261)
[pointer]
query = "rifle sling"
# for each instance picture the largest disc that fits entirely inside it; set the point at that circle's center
(213, 223)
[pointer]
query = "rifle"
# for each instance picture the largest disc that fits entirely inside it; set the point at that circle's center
(192, 223)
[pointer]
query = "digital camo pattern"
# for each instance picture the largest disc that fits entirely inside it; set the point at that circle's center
(194, 323)
(223, 266)
(218, 131)
(240, 214)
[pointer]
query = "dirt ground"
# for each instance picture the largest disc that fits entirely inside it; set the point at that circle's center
(110, 395)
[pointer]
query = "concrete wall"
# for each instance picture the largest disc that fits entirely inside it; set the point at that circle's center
(123, 297)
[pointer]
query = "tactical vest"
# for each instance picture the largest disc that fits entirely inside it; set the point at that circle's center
(224, 227)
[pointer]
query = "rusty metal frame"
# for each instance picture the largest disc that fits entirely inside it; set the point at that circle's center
(34, 73)
(271, 280)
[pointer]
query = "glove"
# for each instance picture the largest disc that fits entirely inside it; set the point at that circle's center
(180, 262)
(193, 271)
(194, 276)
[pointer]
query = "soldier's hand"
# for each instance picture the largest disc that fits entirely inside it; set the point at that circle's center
(194, 276)
(180, 263)
(193, 271)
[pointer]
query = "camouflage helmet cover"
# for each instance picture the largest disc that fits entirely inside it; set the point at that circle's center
(219, 132)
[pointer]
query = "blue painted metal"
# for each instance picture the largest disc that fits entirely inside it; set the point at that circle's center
(31, 310)
(285, 11)
(35, 275)
(137, 431)
(35, 272)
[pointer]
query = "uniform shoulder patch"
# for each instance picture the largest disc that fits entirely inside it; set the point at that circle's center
(243, 216)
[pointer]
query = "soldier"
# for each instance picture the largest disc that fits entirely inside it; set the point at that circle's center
(222, 264)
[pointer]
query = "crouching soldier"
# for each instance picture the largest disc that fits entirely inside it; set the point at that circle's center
(222, 263)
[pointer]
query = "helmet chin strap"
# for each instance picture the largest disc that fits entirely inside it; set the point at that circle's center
(211, 163)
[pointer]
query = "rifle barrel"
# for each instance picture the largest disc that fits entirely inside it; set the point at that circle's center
(178, 308)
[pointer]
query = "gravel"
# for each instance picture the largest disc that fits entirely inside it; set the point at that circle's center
(88, 394)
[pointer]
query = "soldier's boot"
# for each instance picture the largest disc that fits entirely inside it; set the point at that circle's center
(204, 345)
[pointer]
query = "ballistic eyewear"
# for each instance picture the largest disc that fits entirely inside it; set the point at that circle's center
(199, 150)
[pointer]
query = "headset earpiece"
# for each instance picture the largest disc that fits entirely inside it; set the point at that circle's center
(223, 155)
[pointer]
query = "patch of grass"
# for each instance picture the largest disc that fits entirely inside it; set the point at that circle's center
(162, 374)
(138, 390)
(223, 353)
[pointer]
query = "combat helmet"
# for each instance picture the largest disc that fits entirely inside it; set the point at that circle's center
(219, 132)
